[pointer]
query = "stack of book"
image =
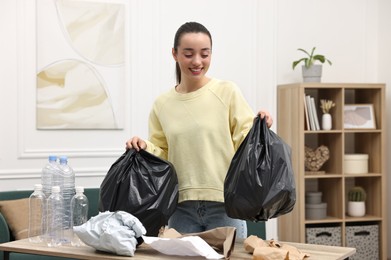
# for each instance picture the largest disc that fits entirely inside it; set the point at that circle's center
(311, 114)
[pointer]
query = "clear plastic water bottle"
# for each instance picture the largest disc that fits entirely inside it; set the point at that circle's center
(55, 218)
(37, 214)
(47, 174)
(66, 180)
(79, 210)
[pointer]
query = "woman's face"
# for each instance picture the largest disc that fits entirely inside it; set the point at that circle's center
(193, 55)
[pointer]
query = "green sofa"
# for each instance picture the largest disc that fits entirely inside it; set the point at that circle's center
(6, 235)
(92, 194)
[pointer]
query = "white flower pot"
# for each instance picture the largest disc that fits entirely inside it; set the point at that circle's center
(356, 208)
(326, 121)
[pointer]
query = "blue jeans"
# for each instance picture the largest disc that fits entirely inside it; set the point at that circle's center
(198, 216)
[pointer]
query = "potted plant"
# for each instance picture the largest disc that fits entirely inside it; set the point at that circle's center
(311, 72)
(356, 201)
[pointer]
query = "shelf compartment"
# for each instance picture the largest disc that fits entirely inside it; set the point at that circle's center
(334, 94)
(373, 188)
(331, 189)
(367, 96)
(334, 143)
(357, 143)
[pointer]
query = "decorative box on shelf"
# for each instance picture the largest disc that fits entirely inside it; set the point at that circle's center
(356, 163)
(314, 207)
(330, 236)
(365, 238)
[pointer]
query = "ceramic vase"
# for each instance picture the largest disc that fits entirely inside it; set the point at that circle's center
(326, 121)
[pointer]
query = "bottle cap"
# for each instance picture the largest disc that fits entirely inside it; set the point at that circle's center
(37, 186)
(63, 159)
(52, 158)
(79, 189)
(56, 189)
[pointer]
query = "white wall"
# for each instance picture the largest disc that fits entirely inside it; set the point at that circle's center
(255, 42)
(345, 31)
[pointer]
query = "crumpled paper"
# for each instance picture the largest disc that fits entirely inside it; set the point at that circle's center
(171, 242)
(114, 232)
(272, 250)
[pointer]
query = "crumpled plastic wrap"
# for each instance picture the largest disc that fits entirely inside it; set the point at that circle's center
(114, 232)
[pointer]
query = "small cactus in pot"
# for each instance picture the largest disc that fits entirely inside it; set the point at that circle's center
(357, 193)
(356, 201)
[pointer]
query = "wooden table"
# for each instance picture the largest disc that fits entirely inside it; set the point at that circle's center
(318, 252)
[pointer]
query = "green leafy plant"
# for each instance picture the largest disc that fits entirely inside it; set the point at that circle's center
(357, 193)
(311, 59)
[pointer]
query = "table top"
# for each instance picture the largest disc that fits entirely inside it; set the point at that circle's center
(318, 252)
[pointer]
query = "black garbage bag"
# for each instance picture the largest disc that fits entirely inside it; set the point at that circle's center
(142, 185)
(260, 184)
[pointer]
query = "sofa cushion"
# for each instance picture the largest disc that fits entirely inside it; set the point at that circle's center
(16, 213)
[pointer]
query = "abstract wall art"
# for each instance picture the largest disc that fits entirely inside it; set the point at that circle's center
(81, 64)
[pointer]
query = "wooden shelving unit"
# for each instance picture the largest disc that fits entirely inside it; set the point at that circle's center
(334, 183)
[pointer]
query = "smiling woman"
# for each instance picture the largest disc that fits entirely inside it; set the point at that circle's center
(197, 126)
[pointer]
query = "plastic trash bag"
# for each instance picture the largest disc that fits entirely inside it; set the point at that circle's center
(260, 184)
(143, 185)
(117, 232)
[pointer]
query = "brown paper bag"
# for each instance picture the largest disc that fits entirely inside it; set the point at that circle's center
(222, 238)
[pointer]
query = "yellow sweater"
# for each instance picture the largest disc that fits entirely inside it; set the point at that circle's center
(198, 133)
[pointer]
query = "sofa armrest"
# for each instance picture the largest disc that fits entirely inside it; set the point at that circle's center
(5, 235)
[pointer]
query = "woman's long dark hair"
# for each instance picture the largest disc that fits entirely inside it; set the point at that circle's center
(189, 27)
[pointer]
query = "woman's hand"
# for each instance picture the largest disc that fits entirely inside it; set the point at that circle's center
(136, 143)
(269, 119)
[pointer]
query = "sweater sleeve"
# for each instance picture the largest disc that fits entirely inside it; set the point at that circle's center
(157, 143)
(241, 117)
